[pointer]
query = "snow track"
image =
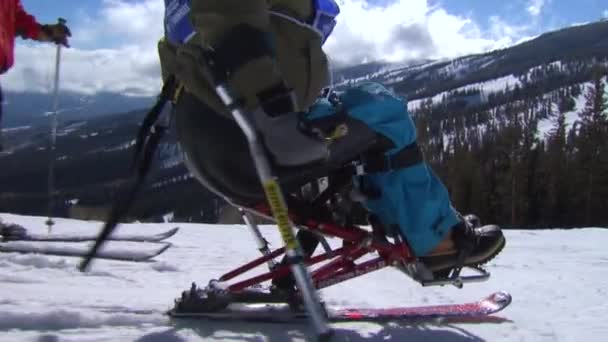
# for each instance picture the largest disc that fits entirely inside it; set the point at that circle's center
(557, 279)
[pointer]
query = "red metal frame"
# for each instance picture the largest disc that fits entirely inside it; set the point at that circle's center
(357, 242)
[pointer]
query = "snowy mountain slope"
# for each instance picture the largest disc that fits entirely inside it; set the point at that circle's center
(573, 44)
(94, 154)
(557, 278)
(486, 88)
(94, 157)
(25, 108)
(459, 100)
(545, 125)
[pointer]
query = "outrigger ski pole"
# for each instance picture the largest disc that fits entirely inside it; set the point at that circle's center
(51, 180)
(275, 199)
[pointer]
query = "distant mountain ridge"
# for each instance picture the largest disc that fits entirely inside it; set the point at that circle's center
(585, 42)
(26, 108)
(456, 104)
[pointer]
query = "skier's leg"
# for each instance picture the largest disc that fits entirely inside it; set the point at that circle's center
(413, 197)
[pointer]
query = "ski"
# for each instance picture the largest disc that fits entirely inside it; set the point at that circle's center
(84, 238)
(482, 308)
(119, 255)
(464, 312)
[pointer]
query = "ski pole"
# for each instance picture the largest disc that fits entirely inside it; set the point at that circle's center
(277, 203)
(51, 180)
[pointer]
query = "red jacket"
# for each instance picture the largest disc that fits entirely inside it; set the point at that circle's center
(14, 21)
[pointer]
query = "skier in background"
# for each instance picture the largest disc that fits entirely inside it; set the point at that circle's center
(273, 53)
(15, 21)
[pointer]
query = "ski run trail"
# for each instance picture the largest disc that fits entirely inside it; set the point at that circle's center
(558, 279)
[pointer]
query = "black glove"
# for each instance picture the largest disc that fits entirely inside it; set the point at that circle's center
(55, 33)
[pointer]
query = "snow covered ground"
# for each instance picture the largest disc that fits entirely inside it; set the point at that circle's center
(558, 279)
(486, 88)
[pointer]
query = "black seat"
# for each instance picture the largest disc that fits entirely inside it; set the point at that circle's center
(217, 153)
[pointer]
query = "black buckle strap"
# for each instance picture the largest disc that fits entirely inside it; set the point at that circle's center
(168, 93)
(408, 156)
(148, 138)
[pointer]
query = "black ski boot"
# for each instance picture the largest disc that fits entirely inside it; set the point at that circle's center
(309, 242)
(475, 245)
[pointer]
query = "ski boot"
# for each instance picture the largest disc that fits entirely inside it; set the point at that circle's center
(473, 246)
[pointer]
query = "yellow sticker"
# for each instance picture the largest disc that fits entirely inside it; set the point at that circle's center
(279, 211)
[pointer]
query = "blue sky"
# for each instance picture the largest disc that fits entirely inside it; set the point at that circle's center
(114, 41)
(554, 14)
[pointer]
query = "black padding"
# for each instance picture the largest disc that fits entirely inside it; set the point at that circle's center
(240, 45)
(216, 151)
(218, 154)
(277, 100)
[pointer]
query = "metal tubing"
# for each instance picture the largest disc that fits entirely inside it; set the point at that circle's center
(460, 280)
(357, 271)
(279, 210)
(277, 272)
(251, 265)
(52, 153)
(347, 258)
(351, 235)
(257, 235)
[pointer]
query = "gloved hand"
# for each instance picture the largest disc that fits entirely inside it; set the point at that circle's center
(55, 33)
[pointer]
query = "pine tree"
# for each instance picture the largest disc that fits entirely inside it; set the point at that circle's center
(591, 143)
(556, 171)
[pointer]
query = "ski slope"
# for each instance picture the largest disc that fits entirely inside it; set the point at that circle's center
(558, 279)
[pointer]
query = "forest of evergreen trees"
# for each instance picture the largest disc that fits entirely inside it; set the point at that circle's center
(496, 164)
(485, 146)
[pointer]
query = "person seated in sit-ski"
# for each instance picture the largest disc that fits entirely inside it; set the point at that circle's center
(273, 53)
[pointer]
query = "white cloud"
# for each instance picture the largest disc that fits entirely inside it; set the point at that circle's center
(134, 22)
(365, 34)
(505, 33)
(535, 7)
(129, 30)
(605, 13)
(131, 70)
(130, 66)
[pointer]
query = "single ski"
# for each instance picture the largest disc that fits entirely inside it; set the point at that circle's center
(120, 255)
(281, 313)
(482, 308)
(84, 238)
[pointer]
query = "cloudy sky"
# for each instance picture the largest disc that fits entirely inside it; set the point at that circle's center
(114, 41)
